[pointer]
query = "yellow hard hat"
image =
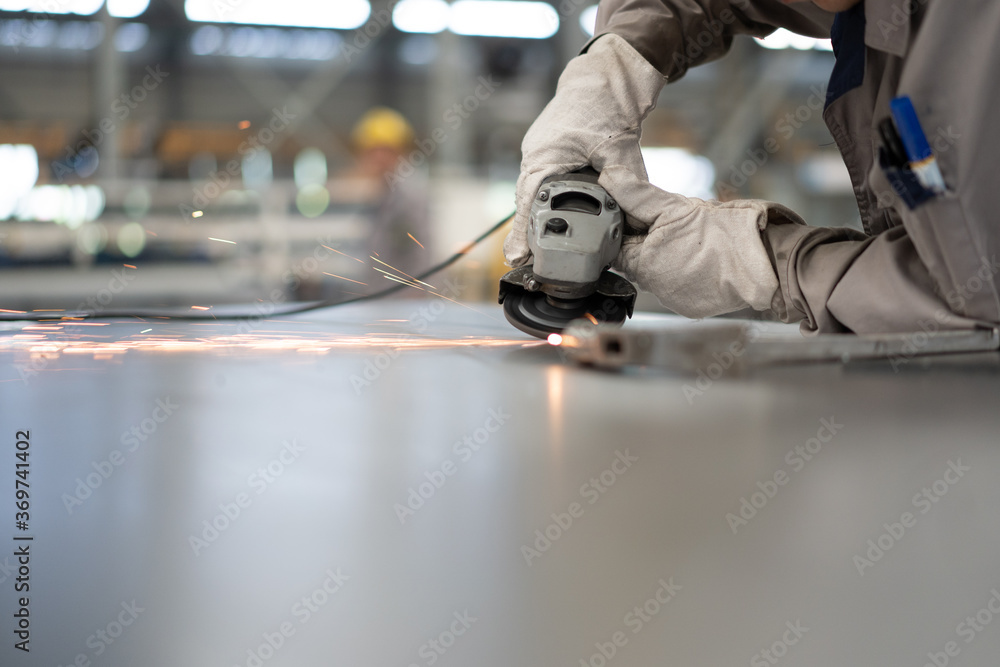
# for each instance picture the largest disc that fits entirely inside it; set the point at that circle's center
(382, 127)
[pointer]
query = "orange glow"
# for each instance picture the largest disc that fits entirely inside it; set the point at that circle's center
(554, 377)
(243, 124)
(220, 338)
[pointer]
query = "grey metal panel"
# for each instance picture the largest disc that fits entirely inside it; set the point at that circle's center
(888, 435)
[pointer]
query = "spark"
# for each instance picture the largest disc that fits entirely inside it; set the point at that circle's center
(243, 124)
(210, 238)
(343, 253)
(145, 331)
(5, 310)
(153, 233)
(199, 307)
(194, 214)
(49, 310)
(401, 271)
(387, 273)
(415, 240)
(399, 280)
(332, 275)
(554, 339)
(128, 266)
(591, 318)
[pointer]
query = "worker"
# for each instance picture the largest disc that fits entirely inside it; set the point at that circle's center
(394, 192)
(928, 259)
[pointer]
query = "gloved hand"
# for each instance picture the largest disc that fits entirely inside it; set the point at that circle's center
(700, 258)
(594, 119)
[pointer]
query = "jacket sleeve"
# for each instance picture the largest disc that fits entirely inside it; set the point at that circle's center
(675, 35)
(938, 270)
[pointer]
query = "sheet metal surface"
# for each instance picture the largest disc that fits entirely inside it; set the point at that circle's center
(632, 477)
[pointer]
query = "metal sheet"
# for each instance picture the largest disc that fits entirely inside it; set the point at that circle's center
(561, 508)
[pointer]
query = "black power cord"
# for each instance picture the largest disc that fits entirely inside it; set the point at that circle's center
(230, 315)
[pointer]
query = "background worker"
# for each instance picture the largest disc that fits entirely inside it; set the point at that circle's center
(392, 191)
(929, 257)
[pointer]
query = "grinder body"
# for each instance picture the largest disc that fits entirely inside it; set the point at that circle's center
(575, 231)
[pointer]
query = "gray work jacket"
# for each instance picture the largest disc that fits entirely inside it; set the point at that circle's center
(919, 266)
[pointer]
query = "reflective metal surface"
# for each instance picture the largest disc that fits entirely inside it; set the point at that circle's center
(452, 492)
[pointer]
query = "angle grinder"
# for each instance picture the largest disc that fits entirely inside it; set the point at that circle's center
(575, 231)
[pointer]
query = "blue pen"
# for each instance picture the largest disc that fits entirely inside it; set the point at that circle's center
(922, 160)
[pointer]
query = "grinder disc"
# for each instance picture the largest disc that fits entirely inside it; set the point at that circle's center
(540, 315)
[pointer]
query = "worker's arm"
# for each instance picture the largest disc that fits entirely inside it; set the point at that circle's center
(675, 35)
(606, 92)
(939, 270)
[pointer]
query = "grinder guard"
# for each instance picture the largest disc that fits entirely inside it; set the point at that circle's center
(575, 231)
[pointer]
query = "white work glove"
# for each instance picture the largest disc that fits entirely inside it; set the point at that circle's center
(700, 258)
(594, 119)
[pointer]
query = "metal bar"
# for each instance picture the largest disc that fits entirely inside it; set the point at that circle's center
(737, 347)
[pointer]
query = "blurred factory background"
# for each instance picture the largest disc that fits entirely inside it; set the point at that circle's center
(219, 151)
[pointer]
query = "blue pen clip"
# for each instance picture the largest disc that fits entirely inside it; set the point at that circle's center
(918, 150)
